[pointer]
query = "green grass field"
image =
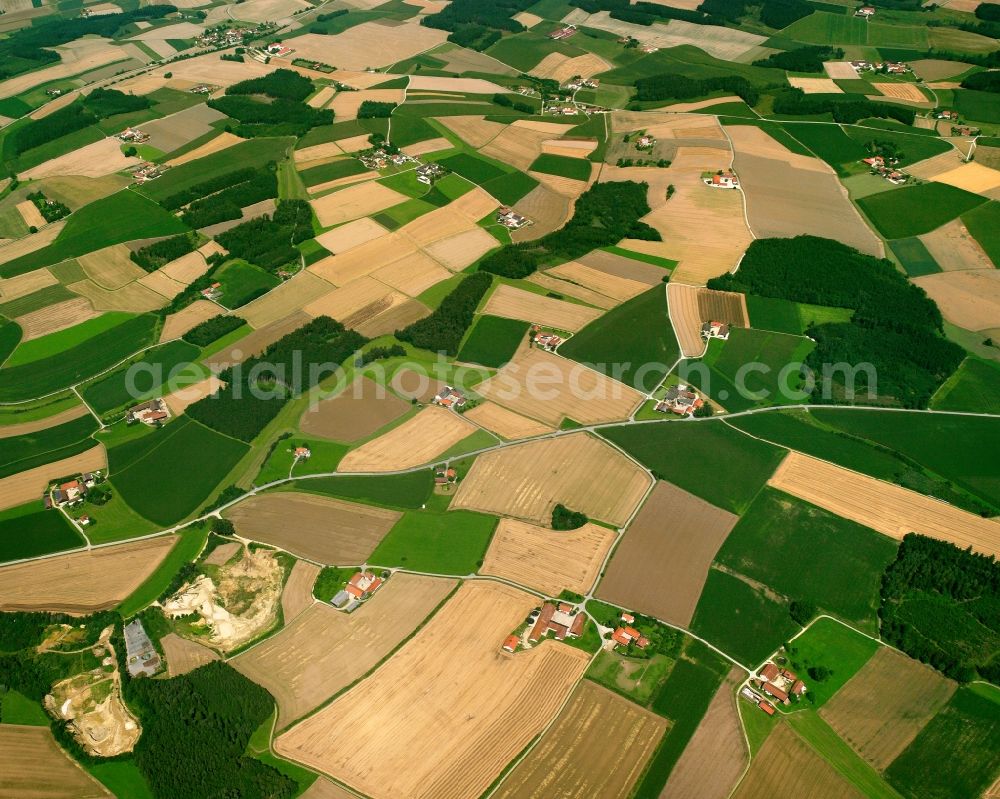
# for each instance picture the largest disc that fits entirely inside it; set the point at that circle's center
(740, 620)
(62, 340)
(441, 543)
(829, 644)
(243, 282)
(794, 318)
(525, 50)
(511, 187)
(968, 724)
(28, 531)
(158, 364)
(975, 387)
(493, 341)
(910, 147)
(122, 778)
(563, 166)
(332, 171)
(471, 167)
(404, 491)
(10, 337)
(830, 143)
(16, 708)
(29, 450)
(914, 256)
(195, 457)
(977, 106)
(806, 553)
(984, 225)
(58, 369)
(634, 342)
(709, 459)
(913, 210)
(822, 27)
(191, 542)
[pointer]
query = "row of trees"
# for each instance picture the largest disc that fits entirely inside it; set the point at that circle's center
(443, 330)
(227, 204)
(204, 333)
(846, 109)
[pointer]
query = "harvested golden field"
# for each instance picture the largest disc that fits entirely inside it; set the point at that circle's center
(324, 650)
(111, 267)
(516, 146)
(787, 766)
(363, 259)
(613, 286)
(353, 144)
(954, 248)
(880, 710)
(901, 91)
(257, 341)
(95, 160)
(351, 235)
(297, 594)
(548, 560)
(459, 251)
(346, 104)
(527, 480)
(571, 148)
(179, 399)
(324, 789)
(930, 168)
(82, 582)
(323, 188)
(357, 302)
(547, 210)
(546, 387)
(426, 147)
(23, 428)
(815, 85)
(568, 289)
(30, 214)
(885, 507)
(561, 68)
(660, 568)
(134, 297)
(55, 317)
(326, 530)
(370, 44)
(318, 152)
(716, 755)
(515, 303)
(394, 318)
(969, 299)
(32, 766)
(20, 286)
(186, 268)
(15, 248)
(183, 655)
(177, 324)
(974, 177)
(322, 97)
(475, 131)
(357, 412)
(567, 187)
(355, 201)
(598, 746)
(161, 284)
(691, 306)
(456, 217)
(384, 738)
(416, 441)
(27, 486)
(293, 295)
(840, 70)
(210, 69)
(505, 423)
(412, 274)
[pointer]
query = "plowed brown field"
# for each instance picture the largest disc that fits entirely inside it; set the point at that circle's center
(183, 655)
(357, 412)
(32, 766)
(297, 594)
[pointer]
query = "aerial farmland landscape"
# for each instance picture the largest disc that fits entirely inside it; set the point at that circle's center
(500, 399)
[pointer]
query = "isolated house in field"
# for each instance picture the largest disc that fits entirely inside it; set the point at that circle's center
(865, 12)
(714, 329)
(449, 397)
(302, 453)
(213, 292)
(151, 412)
(443, 477)
(548, 341)
(680, 400)
(563, 33)
(428, 173)
(510, 219)
(133, 136)
(510, 643)
(729, 181)
(362, 585)
(562, 620)
(67, 493)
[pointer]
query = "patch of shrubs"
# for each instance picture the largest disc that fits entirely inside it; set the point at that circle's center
(565, 519)
(203, 334)
(443, 330)
(372, 109)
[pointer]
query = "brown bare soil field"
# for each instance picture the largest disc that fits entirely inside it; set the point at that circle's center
(954, 248)
(548, 560)
(111, 267)
(161, 284)
(30, 214)
(363, 259)
(598, 746)
(662, 562)
(885, 507)
(880, 710)
(384, 736)
(179, 399)
(293, 295)
(505, 423)
(938, 69)
(297, 594)
(425, 147)
(186, 268)
(353, 144)
(458, 251)
(346, 104)
(515, 303)
(354, 202)
(218, 144)
(370, 44)
(133, 297)
(395, 318)
(93, 161)
(324, 650)
(357, 302)
(28, 485)
(716, 755)
(177, 324)
(546, 209)
(726, 306)
(969, 299)
(13, 287)
(546, 387)
(223, 553)
(356, 413)
(901, 91)
(326, 530)
(412, 274)
(411, 384)
(527, 480)
(416, 441)
(613, 286)
(256, 342)
(55, 317)
(23, 428)
(17, 247)
(568, 289)
(324, 789)
(815, 85)
(183, 655)
(517, 146)
(351, 235)
(685, 316)
(475, 131)
(82, 582)
(974, 177)
(32, 766)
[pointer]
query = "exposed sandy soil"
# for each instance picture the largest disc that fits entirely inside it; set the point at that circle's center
(548, 560)
(23, 428)
(297, 595)
(370, 44)
(218, 144)
(354, 202)
(93, 161)
(661, 564)
(527, 480)
(969, 299)
(546, 387)
(473, 130)
(716, 755)
(222, 553)
(183, 655)
(954, 248)
(351, 235)
(33, 766)
(326, 530)
(887, 508)
(291, 296)
(28, 485)
(22, 285)
(527, 19)
(418, 440)
(880, 710)
(515, 303)
(356, 413)
(324, 650)
(816, 85)
(383, 737)
(506, 423)
(617, 288)
(55, 317)
(599, 746)
(82, 582)
(177, 324)
(568, 289)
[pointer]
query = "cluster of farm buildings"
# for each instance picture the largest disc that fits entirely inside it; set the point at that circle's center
(149, 413)
(360, 587)
(888, 67)
(777, 683)
(72, 492)
(883, 167)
